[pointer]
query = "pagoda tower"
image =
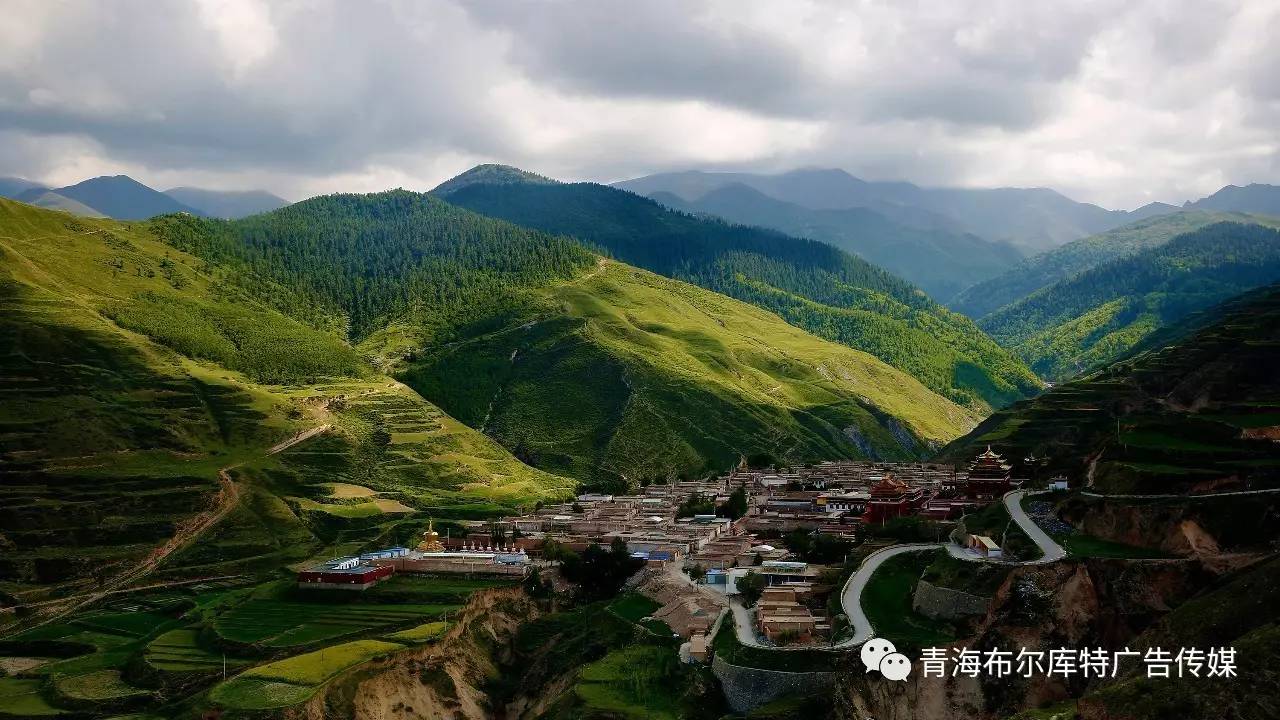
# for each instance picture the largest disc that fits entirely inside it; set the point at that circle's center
(989, 477)
(430, 540)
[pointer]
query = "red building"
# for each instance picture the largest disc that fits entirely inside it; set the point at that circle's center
(989, 477)
(344, 574)
(891, 498)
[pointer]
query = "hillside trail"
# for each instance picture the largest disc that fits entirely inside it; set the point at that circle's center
(227, 498)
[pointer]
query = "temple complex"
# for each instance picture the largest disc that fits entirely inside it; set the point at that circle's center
(989, 477)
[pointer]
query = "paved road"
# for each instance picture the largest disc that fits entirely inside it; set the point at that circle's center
(1050, 550)
(851, 594)
(1177, 496)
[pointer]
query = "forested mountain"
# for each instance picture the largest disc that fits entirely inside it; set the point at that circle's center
(941, 261)
(1075, 257)
(118, 196)
(603, 373)
(1095, 316)
(229, 204)
(1255, 198)
(372, 259)
(1032, 218)
(133, 372)
(810, 284)
(1194, 408)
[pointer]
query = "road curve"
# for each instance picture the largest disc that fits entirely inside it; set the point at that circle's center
(1050, 551)
(851, 593)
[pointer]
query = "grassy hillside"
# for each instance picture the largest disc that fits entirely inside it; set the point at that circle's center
(623, 375)
(810, 284)
(131, 372)
(594, 391)
(1084, 254)
(1097, 315)
(1193, 413)
(941, 261)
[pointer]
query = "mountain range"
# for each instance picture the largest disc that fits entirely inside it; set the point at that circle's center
(123, 198)
(1097, 315)
(1032, 219)
(810, 284)
(941, 260)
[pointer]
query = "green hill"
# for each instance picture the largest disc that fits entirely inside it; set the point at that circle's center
(590, 370)
(808, 283)
(1196, 408)
(1081, 255)
(941, 261)
(623, 375)
(132, 372)
(1095, 316)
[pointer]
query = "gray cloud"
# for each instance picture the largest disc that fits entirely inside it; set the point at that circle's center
(1113, 102)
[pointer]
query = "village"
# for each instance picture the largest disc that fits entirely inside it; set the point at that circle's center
(773, 539)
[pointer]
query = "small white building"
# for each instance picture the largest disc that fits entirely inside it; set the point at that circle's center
(985, 546)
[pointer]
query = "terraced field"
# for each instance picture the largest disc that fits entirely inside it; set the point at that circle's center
(131, 373)
(272, 623)
(409, 457)
(171, 645)
(180, 651)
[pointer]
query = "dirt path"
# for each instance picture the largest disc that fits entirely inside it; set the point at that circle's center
(227, 498)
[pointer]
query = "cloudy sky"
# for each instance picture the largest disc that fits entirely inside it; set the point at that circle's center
(1117, 103)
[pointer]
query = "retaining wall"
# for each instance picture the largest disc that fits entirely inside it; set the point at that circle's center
(942, 603)
(747, 688)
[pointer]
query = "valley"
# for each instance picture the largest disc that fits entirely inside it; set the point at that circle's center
(553, 449)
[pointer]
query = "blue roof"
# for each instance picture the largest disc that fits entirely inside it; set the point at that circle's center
(660, 555)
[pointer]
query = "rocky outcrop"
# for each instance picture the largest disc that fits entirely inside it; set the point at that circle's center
(445, 680)
(943, 603)
(1093, 603)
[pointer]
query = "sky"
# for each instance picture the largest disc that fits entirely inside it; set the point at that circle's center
(1113, 102)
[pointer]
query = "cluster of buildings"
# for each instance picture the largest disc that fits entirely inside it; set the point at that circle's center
(843, 497)
(834, 498)
(361, 572)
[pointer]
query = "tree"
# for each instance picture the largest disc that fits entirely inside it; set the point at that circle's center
(536, 586)
(751, 587)
(736, 506)
(380, 438)
(696, 573)
(600, 573)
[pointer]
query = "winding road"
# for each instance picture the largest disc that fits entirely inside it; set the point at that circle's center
(851, 594)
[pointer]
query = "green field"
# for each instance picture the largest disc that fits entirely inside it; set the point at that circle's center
(274, 623)
(887, 604)
(23, 698)
(294, 680)
(634, 682)
(180, 651)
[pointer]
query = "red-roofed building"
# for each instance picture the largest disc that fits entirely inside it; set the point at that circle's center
(891, 498)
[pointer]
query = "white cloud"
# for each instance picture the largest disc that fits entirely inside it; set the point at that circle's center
(1113, 102)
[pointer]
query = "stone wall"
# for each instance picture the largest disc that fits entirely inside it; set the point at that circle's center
(942, 603)
(746, 689)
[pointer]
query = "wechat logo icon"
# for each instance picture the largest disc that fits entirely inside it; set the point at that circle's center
(880, 654)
